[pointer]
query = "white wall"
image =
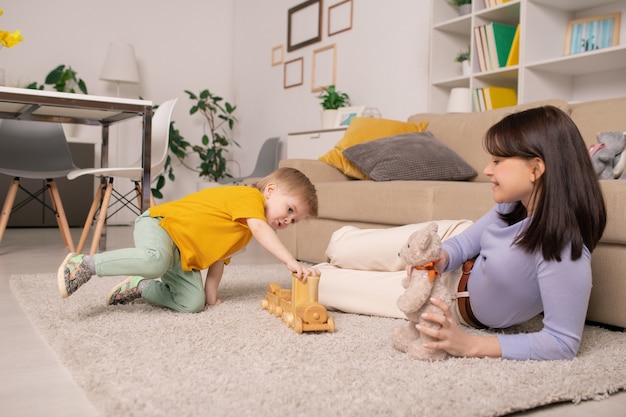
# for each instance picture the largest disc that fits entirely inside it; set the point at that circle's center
(382, 62)
(225, 46)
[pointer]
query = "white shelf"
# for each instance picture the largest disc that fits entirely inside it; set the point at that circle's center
(543, 72)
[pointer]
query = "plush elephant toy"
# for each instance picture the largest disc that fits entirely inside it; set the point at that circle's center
(608, 156)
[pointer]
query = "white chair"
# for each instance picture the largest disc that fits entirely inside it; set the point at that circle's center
(34, 150)
(266, 162)
(101, 202)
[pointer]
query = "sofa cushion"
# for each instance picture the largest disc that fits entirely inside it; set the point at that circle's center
(409, 157)
(402, 202)
(365, 129)
(599, 116)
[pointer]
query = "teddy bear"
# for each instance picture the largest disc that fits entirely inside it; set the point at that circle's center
(608, 156)
(421, 252)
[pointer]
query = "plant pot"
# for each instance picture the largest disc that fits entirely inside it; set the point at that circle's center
(328, 118)
(466, 68)
(465, 9)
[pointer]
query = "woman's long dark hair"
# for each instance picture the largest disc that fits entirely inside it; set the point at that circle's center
(569, 205)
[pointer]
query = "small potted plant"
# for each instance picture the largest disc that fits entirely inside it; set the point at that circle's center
(464, 6)
(331, 100)
(63, 79)
(463, 58)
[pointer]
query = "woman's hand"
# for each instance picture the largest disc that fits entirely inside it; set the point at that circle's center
(453, 339)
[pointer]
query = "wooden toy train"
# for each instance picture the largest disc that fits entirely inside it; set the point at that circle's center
(298, 307)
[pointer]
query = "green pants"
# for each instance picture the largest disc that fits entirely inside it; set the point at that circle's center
(155, 256)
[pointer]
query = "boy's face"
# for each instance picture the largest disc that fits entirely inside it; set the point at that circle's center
(281, 209)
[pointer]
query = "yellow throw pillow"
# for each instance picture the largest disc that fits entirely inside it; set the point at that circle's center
(365, 129)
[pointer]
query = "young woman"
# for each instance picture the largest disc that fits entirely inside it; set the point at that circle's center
(533, 249)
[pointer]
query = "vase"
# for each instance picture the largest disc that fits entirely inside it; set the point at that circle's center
(466, 68)
(465, 9)
(329, 118)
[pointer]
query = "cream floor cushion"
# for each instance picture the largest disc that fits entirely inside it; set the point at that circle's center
(364, 273)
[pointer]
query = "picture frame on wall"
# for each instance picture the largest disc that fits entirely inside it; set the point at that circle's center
(278, 55)
(293, 73)
(340, 17)
(304, 24)
(346, 114)
(324, 68)
(592, 33)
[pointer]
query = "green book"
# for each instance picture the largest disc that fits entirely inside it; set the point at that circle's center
(499, 38)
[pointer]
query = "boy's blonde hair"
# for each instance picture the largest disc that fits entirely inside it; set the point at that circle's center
(294, 183)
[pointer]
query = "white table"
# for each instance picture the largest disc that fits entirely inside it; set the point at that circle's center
(53, 106)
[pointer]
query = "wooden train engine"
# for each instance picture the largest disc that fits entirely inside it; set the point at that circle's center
(298, 307)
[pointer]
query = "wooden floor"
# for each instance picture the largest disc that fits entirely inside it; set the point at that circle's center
(33, 382)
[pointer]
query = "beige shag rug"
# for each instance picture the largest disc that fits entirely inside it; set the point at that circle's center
(238, 360)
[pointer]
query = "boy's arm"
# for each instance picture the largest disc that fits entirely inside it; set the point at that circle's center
(213, 278)
(268, 238)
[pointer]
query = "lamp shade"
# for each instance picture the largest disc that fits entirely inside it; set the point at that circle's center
(460, 101)
(120, 64)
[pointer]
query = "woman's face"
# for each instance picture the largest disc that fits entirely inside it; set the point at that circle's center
(513, 179)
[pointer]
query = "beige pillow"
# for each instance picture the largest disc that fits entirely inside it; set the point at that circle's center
(377, 249)
(373, 293)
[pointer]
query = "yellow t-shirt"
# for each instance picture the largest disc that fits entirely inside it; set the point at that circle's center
(210, 225)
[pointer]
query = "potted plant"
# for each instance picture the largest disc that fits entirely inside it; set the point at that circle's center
(464, 6)
(331, 100)
(217, 134)
(63, 79)
(463, 58)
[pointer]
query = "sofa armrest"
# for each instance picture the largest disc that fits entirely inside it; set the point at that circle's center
(316, 170)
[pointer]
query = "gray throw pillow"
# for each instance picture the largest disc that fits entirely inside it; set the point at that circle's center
(409, 157)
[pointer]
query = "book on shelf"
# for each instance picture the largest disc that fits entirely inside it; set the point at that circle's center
(499, 41)
(498, 97)
(513, 58)
(479, 49)
(483, 38)
(494, 3)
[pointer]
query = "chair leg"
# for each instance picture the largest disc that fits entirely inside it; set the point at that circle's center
(95, 204)
(138, 193)
(59, 212)
(102, 217)
(8, 206)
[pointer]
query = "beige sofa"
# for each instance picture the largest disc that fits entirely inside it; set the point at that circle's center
(369, 204)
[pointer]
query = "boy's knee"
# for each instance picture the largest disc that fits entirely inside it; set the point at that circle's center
(194, 305)
(159, 262)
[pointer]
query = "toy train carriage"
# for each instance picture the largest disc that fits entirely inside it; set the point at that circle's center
(299, 308)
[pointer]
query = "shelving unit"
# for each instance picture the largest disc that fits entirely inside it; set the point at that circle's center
(543, 71)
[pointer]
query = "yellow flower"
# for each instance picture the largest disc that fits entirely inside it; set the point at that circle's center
(9, 39)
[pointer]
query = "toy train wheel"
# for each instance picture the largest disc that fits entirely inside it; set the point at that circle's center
(264, 305)
(331, 324)
(297, 325)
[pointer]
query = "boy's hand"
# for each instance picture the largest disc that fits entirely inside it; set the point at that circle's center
(302, 271)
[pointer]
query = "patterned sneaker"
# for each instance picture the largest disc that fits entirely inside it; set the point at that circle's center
(125, 292)
(72, 273)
